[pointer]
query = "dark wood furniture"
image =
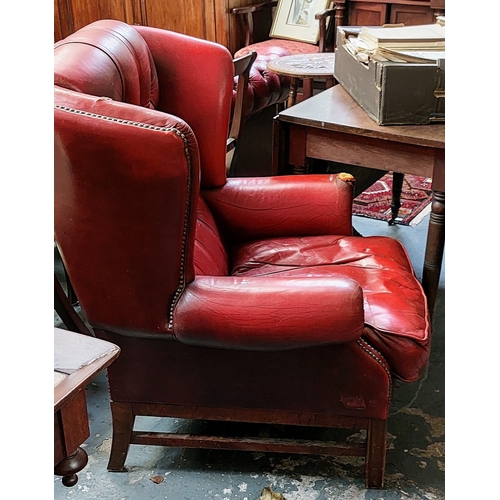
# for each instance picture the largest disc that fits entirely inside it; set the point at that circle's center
(65, 308)
(77, 359)
(242, 66)
(206, 19)
(332, 126)
(378, 12)
(257, 19)
(212, 19)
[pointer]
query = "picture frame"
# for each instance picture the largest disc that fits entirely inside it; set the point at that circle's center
(295, 20)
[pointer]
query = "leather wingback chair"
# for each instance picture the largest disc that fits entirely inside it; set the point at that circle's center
(234, 299)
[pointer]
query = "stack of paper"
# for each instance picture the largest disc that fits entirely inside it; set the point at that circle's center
(427, 36)
(411, 56)
(412, 44)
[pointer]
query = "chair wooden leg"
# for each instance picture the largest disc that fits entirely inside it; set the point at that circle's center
(123, 424)
(307, 88)
(73, 299)
(67, 312)
(292, 96)
(376, 446)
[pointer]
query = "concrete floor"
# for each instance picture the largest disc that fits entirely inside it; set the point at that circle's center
(415, 458)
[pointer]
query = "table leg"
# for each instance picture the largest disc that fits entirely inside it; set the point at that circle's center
(297, 137)
(397, 187)
(307, 88)
(292, 96)
(68, 467)
(434, 250)
(330, 82)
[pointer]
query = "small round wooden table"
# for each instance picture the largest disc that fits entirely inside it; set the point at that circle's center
(304, 67)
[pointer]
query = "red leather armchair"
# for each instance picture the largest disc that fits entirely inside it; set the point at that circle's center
(236, 299)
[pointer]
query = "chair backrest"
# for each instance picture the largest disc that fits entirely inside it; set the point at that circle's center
(110, 59)
(196, 80)
(174, 73)
(129, 220)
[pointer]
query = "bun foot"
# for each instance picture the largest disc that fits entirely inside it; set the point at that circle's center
(68, 467)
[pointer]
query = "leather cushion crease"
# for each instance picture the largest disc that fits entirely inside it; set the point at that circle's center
(269, 313)
(398, 322)
(210, 256)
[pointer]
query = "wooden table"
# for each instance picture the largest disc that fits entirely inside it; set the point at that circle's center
(332, 126)
(77, 359)
(304, 67)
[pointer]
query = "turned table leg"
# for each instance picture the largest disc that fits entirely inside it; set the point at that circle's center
(68, 467)
(397, 187)
(434, 250)
(292, 96)
(307, 88)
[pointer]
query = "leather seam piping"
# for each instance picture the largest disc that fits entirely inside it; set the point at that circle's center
(380, 359)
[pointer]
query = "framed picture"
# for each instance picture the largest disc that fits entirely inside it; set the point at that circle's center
(294, 20)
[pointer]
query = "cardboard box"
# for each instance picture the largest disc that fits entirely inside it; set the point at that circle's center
(392, 93)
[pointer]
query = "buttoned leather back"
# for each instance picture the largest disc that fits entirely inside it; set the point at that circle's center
(108, 59)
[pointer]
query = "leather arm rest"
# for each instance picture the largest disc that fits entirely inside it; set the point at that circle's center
(290, 205)
(265, 313)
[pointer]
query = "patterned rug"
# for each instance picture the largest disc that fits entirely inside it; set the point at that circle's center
(416, 197)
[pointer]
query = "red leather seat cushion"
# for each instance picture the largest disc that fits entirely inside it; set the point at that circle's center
(279, 47)
(396, 314)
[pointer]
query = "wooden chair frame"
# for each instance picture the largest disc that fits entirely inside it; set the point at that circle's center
(325, 33)
(242, 66)
(124, 414)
